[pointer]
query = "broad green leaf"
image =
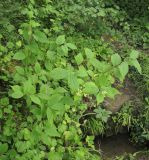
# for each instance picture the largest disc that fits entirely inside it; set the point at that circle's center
(19, 43)
(51, 55)
(28, 88)
(67, 100)
(46, 140)
(20, 70)
(37, 68)
(72, 81)
(96, 63)
(3, 148)
(100, 98)
(100, 66)
(89, 53)
(115, 59)
(34, 47)
(19, 55)
(51, 130)
(123, 67)
(50, 115)
(58, 73)
(90, 88)
(60, 40)
(82, 72)
(37, 112)
(27, 134)
(71, 46)
(79, 58)
(40, 37)
(134, 54)
(80, 81)
(136, 64)
(64, 49)
(58, 107)
(54, 99)
(90, 73)
(35, 99)
(21, 147)
(17, 92)
(60, 90)
(55, 156)
(103, 80)
(111, 92)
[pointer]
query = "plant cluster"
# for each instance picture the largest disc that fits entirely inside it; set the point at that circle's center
(58, 72)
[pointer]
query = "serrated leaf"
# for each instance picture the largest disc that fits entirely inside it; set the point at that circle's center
(60, 40)
(90, 88)
(72, 81)
(60, 90)
(100, 66)
(19, 55)
(52, 131)
(71, 46)
(89, 53)
(55, 156)
(28, 88)
(54, 99)
(79, 58)
(51, 55)
(50, 115)
(67, 100)
(58, 73)
(64, 49)
(37, 68)
(82, 72)
(58, 107)
(103, 80)
(123, 67)
(35, 99)
(40, 37)
(115, 59)
(134, 54)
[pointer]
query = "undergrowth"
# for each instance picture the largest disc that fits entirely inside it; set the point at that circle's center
(59, 62)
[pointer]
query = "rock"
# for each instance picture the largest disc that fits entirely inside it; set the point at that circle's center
(114, 105)
(127, 92)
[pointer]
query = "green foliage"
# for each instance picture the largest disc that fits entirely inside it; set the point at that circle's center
(124, 118)
(59, 72)
(134, 8)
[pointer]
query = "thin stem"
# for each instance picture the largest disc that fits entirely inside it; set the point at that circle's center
(87, 114)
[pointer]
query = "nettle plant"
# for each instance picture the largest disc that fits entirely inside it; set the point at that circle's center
(51, 81)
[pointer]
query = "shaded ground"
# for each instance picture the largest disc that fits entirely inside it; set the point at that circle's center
(116, 145)
(3, 87)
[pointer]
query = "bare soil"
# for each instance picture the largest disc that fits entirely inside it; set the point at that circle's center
(116, 145)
